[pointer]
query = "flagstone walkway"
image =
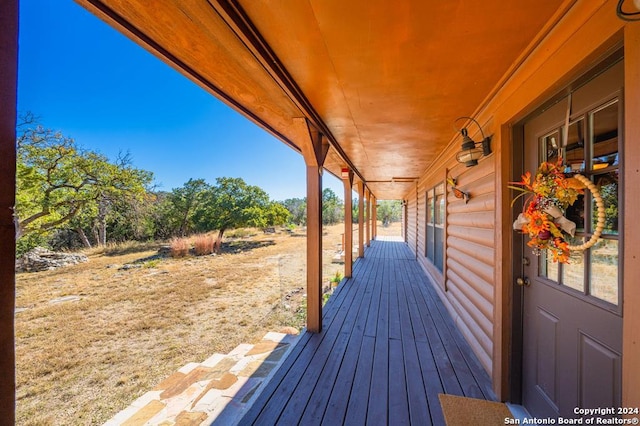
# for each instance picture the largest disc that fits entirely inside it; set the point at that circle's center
(219, 389)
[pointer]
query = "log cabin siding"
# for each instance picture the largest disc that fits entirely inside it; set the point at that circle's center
(471, 294)
(468, 248)
(470, 277)
(475, 235)
(481, 343)
(484, 219)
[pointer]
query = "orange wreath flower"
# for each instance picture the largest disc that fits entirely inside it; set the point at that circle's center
(538, 222)
(549, 190)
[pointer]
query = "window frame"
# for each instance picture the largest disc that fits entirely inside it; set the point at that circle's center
(435, 218)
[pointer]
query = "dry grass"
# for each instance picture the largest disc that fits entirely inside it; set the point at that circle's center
(79, 362)
(179, 247)
(204, 244)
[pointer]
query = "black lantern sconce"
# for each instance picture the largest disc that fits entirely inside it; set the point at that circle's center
(472, 151)
(627, 15)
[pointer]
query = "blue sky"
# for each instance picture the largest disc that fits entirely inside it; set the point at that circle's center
(82, 77)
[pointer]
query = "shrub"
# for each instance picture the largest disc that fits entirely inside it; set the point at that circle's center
(179, 247)
(151, 263)
(204, 244)
(335, 280)
(29, 242)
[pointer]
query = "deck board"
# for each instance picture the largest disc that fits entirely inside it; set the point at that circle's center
(378, 400)
(387, 348)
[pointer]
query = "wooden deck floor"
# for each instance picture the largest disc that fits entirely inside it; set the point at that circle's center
(387, 349)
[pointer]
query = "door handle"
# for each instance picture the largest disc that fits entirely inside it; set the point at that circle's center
(523, 282)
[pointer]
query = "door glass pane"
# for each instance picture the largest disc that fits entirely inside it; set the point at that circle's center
(573, 272)
(608, 186)
(548, 268)
(429, 210)
(575, 146)
(604, 270)
(576, 213)
(604, 124)
(551, 147)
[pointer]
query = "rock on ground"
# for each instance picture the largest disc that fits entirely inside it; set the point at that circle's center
(41, 259)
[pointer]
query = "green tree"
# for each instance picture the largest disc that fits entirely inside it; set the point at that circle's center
(231, 203)
(277, 214)
(355, 209)
(185, 201)
(162, 218)
(131, 219)
(298, 209)
(332, 207)
(389, 211)
(119, 184)
(58, 181)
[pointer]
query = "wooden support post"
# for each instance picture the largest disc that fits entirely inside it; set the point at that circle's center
(314, 249)
(374, 217)
(8, 100)
(314, 150)
(360, 219)
(347, 247)
(368, 219)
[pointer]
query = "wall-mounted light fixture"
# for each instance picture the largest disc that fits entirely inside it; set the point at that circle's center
(627, 15)
(472, 151)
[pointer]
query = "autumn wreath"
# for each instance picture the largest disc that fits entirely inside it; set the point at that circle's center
(549, 193)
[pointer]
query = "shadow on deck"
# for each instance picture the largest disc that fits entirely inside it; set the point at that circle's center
(387, 349)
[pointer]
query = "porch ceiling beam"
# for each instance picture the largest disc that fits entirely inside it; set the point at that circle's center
(238, 20)
(100, 9)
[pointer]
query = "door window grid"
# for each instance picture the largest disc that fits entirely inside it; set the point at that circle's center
(593, 272)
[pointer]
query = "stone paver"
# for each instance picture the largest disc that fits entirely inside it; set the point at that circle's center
(223, 366)
(223, 382)
(264, 346)
(207, 401)
(258, 369)
(198, 374)
(218, 390)
(170, 381)
(190, 418)
(144, 414)
(213, 360)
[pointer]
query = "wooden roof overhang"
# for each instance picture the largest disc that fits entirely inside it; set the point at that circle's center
(382, 81)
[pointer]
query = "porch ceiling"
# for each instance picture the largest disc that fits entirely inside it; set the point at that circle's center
(383, 80)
